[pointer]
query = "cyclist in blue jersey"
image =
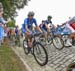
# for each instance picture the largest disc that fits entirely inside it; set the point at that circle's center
(45, 26)
(17, 35)
(27, 27)
(64, 30)
(17, 31)
(46, 23)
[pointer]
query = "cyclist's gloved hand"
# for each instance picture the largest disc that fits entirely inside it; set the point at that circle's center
(30, 33)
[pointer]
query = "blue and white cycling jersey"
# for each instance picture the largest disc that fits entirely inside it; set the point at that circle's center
(63, 31)
(46, 22)
(29, 23)
(66, 30)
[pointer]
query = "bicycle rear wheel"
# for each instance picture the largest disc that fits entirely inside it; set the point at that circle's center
(58, 43)
(40, 54)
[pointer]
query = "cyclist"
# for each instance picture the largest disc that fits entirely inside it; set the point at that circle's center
(71, 25)
(47, 22)
(67, 31)
(64, 30)
(17, 35)
(17, 31)
(45, 26)
(28, 26)
(42, 24)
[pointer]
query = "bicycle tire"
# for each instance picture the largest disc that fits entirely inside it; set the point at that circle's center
(25, 48)
(45, 52)
(57, 43)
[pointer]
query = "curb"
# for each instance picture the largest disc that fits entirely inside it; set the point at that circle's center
(25, 64)
(47, 68)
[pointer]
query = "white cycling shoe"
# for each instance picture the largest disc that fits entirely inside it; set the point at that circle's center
(68, 43)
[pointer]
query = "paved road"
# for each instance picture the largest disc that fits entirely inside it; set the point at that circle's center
(58, 59)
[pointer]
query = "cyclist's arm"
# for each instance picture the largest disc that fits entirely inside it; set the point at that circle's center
(27, 28)
(38, 28)
(47, 27)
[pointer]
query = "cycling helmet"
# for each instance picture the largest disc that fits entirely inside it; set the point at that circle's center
(31, 13)
(49, 17)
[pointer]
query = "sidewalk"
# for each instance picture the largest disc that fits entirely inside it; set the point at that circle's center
(30, 62)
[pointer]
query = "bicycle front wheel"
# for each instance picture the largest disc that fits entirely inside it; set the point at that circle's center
(25, 47)
(40, 54)
(58, 43)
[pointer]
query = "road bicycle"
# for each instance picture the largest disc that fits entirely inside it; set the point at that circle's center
(38, 50)
(54, 39)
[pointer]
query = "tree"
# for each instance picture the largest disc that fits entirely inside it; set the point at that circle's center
(10, 7)
(11, 23)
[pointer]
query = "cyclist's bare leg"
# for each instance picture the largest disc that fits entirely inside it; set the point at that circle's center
(72, 36)
(27, 36)
(45, 35)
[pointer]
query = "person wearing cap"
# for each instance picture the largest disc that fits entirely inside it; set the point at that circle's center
(27, 27)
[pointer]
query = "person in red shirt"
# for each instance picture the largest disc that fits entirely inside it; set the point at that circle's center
(71, 25)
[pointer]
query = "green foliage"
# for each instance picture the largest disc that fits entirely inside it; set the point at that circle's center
(10, 7)
(11, 24)
(9, 60)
